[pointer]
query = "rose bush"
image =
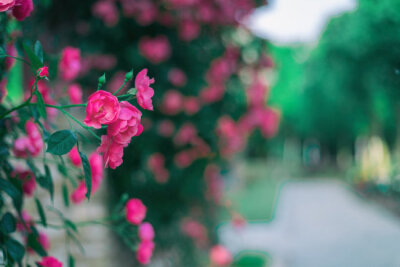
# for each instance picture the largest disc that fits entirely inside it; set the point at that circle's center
(32, 146)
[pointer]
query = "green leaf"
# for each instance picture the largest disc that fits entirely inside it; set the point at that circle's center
(71, 261)
(35, 61)
(39, 50)
(49, 179)
(2, 52)
(13, 192)
(65, 195)
(8, 223)
(41, 212)
(71, 225)
(40, 104)
(88, 174)
(34, 243)
(61, 142)
(15, 249)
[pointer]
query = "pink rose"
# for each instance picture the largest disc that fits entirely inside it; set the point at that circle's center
(185, 134)
(146, 231)
(195, 230)
(102, 108)
(191, 105)
(127, 125)
(74, 157)
(112, 152)
(172, 102)
(97, 169)
(49, 262)
(70, 63)
(6, 5)
(220, 256)
(32, 144)
(43, 240)
(106, 11)
(256, 94)
(166, 128)
(27, 222)
(212, 93)
(135, 211)
(28, 181)
(22, 9)
(145, 251)
(43, 72)
(12, 51)
(144, 91)
(75, 93)
(156, 49)
(78, 195)
(156, 165)
(177, 77)
(189, 30)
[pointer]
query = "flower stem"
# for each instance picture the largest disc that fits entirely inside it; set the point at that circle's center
(122, 86)
(26, 103)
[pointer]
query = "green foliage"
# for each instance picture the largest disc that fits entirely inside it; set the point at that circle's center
(88, 173)
(61, 142)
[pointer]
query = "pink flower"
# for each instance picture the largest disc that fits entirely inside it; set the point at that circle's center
(49, 262)
(177, 77)
(220, 256)
(185, 134)
(107, 11)
(144, 91)
(32, 144)
(74, 157)
(256, 94)
(22, 9)
(144, 11)
(146, 231)
(212, 93)
(28, 182)
(172, 102)
(6, 5)
(75, 93)
(70, 63)
(102, 108)
(166, 128)
(97, 169)
(127, 125)
(156, 49)
(3, 89)
(145, 251)
(12, 51)
(27, 222)
(112, 152)
(135, 211)
(43, 72)
(191, 105)
(183, 159)
(189, 30)
(195, 230)
(156, 165)
(79, 193)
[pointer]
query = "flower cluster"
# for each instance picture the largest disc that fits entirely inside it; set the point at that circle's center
(135, 212)
(20, 9)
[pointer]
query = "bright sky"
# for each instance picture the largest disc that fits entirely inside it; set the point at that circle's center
(292, 21)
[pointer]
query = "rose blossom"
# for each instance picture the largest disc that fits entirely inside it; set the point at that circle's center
(220, 256)
(146, 231)
(78, 195)
(145, 251)
(144, 91)
(156, 49)
(172, 102)
(6, 5)
(75, 93)
(107, 11)
(135, 211)
(22, 9)
(166, 128)
(191, 105)
(43, 240)
(177, 77)
(27, 222)
(127, 125)
(74, 157)
(43, 72)
(31, 144)
(49, 261)
(195, 230)
(70, 63)
(12, 51)
(112, 152)
(189, 29)
(102, 108)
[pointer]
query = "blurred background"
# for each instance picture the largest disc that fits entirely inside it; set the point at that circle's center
(274, 132)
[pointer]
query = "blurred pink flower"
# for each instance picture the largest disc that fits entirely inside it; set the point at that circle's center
(27, 179)
(146, 231)
(135, 211)
(3, 89)
(177, 77)
(78, 195)
(156, 50)
(195, 230)
(172, 102)
(12, 51)
(145, 251)
(75, 93)
(102, 108)
(49, 262)
(191, 105)
(22, 9)
(156, 165)
(74, 157)
(220, 256)
(256, 93)
(6, 5)
(43, 72)
(144, 91)
(166, 128)
(106, 11)
(70, 63)
(27, 222)
(144, 11)
(212, 93)
(185, 134)
(189, 29)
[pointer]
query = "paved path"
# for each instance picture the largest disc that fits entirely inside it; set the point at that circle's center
(321, 223)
